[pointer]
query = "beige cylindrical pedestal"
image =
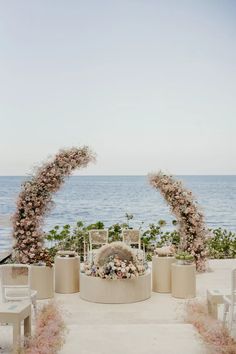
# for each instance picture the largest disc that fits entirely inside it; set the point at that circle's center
(117, 291)
(42, 280)
(161, 274)
(67, 274)
(183, 279)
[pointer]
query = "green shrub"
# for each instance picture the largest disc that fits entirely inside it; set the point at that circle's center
(221, 244)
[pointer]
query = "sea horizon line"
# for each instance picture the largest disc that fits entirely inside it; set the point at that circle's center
(131, 175)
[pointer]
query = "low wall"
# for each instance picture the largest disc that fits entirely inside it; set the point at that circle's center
(117, 291)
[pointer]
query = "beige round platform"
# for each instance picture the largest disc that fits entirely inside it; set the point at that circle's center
(161, 274)
(67, 274)
(120, 291)
(183, 281)
(42, 280)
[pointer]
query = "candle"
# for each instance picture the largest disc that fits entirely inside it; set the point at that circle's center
(88, 254)
(84, 251)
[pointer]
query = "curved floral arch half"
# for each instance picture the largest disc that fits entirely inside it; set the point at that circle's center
(192, 228)
(35, 200)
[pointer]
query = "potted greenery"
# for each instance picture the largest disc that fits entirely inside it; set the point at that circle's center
(184, 258)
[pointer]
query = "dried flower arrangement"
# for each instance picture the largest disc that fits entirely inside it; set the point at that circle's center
(192, 229)
(165, 251)
(115, 261)
(35, 200)
(50, 332)
(118, 248)
(215, 335)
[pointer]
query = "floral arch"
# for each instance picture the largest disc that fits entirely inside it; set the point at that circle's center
(35, 200)
(192, 228)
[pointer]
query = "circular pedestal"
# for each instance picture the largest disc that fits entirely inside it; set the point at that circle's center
(161, 274)
(120, 291)
(67, 274)
(183, 281)
(42, 280)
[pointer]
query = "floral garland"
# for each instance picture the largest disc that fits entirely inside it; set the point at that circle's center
(115, 261)
(215, 335)
(190, 219)
(50, 332)
(35, 200)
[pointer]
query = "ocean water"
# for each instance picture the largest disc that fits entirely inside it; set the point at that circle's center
(108, 198)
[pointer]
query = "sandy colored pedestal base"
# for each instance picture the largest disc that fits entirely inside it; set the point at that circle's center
(121, 291)
(183, 281)
(161, 274)
(67, 274)
(42, 280)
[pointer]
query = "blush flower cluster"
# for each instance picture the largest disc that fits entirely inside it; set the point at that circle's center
(50, 331)
(35, 200)
(214, 333)
(192, 228)
(116, 260)
(115, 268)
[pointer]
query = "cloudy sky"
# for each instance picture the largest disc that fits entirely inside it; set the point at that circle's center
(147, 84)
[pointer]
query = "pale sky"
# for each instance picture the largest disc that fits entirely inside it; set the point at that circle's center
(147, 84)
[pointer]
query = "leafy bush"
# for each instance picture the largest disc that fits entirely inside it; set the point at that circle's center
(66, 238)
(222, 244)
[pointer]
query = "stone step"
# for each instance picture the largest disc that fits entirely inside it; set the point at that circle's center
(133, 339)
(118, 318)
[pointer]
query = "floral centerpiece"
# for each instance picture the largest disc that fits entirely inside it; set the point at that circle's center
(115, 261)
(165, 251)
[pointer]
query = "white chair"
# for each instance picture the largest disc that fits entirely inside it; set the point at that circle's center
(230, 302)
(97, 237)
(15, 284)
(132, 237)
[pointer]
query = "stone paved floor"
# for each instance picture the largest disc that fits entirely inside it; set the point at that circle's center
(152, 326)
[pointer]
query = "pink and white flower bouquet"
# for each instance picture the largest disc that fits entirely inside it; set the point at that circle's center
(115, 268)
(115, 260)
